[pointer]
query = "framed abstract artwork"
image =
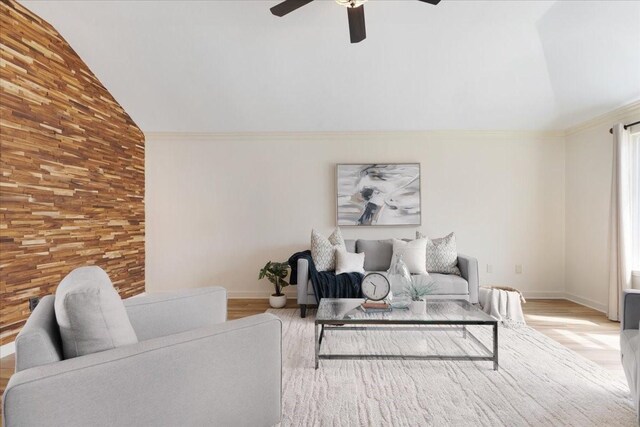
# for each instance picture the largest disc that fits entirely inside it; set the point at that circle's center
(378, 194)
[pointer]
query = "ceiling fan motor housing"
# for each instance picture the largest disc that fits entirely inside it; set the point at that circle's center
(351, 3)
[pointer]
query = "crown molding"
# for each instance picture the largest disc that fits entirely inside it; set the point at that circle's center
(355, 135)
(608, 119)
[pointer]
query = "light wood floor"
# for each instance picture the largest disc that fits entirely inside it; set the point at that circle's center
(582, 329)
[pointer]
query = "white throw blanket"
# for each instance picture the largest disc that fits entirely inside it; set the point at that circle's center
(503, 305)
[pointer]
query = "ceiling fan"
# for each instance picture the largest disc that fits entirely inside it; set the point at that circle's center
(355, 12)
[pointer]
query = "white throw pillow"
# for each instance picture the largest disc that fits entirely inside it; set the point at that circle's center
(90, 314)
(347, 262)
(323, 249)
(413, 254)
(442, 254)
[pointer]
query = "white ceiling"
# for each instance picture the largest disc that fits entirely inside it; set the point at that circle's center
(217, 66)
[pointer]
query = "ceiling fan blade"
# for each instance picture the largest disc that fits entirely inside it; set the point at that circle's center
(288, 6)
(433, 2)
(357, 29)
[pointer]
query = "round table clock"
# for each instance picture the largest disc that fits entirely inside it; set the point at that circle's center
(375, 287)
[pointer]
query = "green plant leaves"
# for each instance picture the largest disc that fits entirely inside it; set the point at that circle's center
(275, 272)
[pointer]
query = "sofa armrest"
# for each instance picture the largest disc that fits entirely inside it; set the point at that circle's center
(303, 280)
(169, 313)
(631, 309)
(226, 374)
(469, 269)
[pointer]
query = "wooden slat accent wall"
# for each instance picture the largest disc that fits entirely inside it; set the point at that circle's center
(72, 171)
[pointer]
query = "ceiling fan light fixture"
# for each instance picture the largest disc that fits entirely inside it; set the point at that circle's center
(352, 4)
(355, 13)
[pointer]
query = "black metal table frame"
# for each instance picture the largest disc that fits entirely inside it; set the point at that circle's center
(370, 324)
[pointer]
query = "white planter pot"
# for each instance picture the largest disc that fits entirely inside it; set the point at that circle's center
(278, 301)
(418, 307)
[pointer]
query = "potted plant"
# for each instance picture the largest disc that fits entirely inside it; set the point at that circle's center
(276, 272)
(419, 288)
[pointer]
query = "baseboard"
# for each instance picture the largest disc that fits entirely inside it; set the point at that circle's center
(7, 349)
(570, 297)
(544, 295)
(233, 294)
(587, 302)
(255, 295)
(141, 294)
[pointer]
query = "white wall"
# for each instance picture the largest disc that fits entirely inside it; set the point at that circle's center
(589, 150)
(220, 206)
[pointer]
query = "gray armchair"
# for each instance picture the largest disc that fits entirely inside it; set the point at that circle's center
(190, 367)
(630, 343)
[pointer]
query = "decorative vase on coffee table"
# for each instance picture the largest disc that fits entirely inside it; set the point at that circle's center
(418, 307)
(400, 280)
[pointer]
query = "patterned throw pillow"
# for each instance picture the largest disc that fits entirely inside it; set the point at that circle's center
(323, 250)
(442, 255)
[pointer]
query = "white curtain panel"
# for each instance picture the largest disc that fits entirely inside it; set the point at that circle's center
(620, 220)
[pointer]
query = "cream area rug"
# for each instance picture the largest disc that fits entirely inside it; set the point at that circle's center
(539, 383)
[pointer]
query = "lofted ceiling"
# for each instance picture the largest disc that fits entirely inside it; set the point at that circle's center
(225, 66)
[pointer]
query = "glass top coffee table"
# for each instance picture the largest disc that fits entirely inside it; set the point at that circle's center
(345, 314)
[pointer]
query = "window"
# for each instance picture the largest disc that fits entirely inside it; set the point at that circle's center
(635, 201)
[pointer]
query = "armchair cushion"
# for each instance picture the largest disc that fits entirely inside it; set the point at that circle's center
(90, 314)
(38, 343)
(167, 313)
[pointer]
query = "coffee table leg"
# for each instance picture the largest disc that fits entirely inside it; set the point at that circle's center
(317, 345)
(495, 346)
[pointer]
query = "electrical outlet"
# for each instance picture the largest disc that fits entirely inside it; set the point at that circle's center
(489, 268)
(518, 269)
(33, 302)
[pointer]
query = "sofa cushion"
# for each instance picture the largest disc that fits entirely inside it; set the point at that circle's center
(90, 314)
(347, 262)
(323, 249)
(377, 253)
(446, 284)
(442, 254)
(413, 254)
(449, 284)
(350, 245)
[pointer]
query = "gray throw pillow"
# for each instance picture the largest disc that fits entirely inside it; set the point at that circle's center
(377, 254)
(442, 254)
(90, 314)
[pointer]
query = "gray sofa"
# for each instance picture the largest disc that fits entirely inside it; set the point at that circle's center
(377, 257)
(189, 368)
(630, 343)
